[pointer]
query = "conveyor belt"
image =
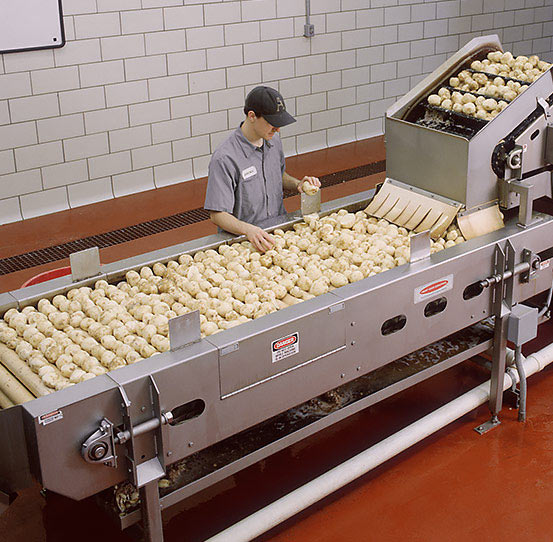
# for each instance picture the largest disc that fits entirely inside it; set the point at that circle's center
(152, 227)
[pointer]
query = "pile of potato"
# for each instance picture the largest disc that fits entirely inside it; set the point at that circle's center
(522, 68)
(90, 331)
(485, 95)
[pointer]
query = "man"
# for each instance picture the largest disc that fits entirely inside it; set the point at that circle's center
(247, 171)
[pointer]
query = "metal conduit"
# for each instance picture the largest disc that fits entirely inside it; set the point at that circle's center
(312, 492)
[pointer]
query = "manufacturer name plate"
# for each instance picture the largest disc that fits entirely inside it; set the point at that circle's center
(51, 417)
(422, 293)
(285, 347)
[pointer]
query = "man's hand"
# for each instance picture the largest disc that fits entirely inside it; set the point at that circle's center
(259, 238)
(311, 180)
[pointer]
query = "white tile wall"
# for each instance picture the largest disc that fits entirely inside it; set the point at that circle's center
(44, 202)
(144, 90)
(10, 210)
(7, 162)
(89, 192)
(126, 183)
(173, 173)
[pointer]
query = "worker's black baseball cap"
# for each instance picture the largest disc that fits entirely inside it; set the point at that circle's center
(268, 103)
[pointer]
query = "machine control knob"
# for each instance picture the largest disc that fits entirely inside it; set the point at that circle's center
(98, 451)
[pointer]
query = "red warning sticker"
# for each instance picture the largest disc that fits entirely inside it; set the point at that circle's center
(285, 347)
(432, 288)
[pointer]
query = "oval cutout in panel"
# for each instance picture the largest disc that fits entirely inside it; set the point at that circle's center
(393, 325)
(435, 307)
(188, 411)
(534, 135)
(473, 290)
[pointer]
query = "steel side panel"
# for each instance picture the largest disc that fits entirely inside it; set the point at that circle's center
(321, 331)
(56, 447)
(32, 294)
(181, 376)
(396, 296)
(7, 301)
(368, 303)
(15, 472)
(429, 159)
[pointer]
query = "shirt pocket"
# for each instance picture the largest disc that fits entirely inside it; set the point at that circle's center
(251, 194)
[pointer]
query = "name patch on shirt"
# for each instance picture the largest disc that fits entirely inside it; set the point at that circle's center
(249, 172)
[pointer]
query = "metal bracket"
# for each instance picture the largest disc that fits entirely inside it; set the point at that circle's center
(488, 426)
(85, 264)
(154, 469)
(184, 330)
(526, 201)
(504, 268)
(534, 261)
(229, 349)
(310, 203)
(504, 265)
(100, 446)
(419, 246)
(544, 105)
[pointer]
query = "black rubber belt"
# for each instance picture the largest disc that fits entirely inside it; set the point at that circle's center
(116, 237)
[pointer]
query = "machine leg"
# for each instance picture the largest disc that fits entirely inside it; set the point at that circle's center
(499, 352)
(498, 365)
(151, 512)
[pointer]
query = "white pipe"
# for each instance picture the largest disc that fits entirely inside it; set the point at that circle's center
(312, 492)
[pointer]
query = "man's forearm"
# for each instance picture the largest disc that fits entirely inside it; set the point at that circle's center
(289, 182)
(229, 223)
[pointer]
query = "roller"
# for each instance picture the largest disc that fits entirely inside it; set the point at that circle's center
(11, 387)
(5, 401)
(22, 371)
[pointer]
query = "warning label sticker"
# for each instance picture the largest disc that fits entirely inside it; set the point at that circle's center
(433, 288)
(545, 264)
(285, 347)
(51, 417)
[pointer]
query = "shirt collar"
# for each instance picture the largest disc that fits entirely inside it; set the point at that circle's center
(247, 147)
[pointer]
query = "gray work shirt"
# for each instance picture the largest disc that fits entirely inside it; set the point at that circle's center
(245, 180)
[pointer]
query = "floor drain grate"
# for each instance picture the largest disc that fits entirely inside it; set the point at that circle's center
(145, 229)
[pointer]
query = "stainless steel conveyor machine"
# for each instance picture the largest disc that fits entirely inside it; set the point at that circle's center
(136, 423)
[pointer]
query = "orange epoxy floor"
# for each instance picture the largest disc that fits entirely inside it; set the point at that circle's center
(454, 486)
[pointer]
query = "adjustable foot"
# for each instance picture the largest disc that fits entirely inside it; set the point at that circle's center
(487, 426)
